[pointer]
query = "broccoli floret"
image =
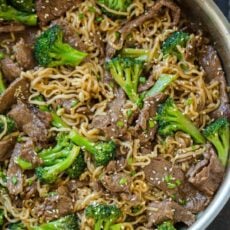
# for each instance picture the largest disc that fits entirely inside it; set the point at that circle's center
(167, 225)
(126, 72)
(23, 5)
(11, 125)
(102, 152)
(2, 84)
(51, 51)
(169, 46)
(16, 226)
(219, 135)
(161, 84)
(60, 150)
(78, 167)
(104, 215)
(69, 222)
(56, 163)
(116, 5)
(9, 13)
(1, 217)
(170, 120)
(140, 54)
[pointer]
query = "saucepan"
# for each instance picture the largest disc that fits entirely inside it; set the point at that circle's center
(207, 15)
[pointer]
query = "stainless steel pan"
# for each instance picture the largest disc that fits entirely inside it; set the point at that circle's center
(213, 21)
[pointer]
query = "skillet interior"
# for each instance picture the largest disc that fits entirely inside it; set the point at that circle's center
(207, 15)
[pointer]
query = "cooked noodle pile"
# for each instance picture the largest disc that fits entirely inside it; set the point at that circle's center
(88, 87)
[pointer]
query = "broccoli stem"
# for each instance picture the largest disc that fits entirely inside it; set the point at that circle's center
(69, 222)
(57, 121)
(50, 173)
(2, 84)
(24, 164)
(141, 54)
(13, 15)
(187, 126)
(81, 141)
(161, 84)
(1, 217)
(116, 227)
(98, 225)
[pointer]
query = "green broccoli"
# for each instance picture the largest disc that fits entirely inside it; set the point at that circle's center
(9, 13)
(126, 72)
(1, 55)
(23, 5)
(177, 38)
(51, 51)
(69, 222)
(102, 152)
(119, 226)
(57, 159)
(167, 225)
(170, 120)
(2, 84)
(16, 226)
(10, 123)
(104, 215)
(140, 54)
(78, 167)
(24, 164)
(218, 134)
(161, 84)
(115, 5)
(1, 217)
(56, 120)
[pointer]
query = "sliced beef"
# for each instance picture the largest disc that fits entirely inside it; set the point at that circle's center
(108, 123)
(14, 172)
(194, 200)
(16, 91)
(143, 87)
(29, 121)
(24, 55)
(207, 174)
(28, 154)
(10, 69)
(29, 35)
(145, 128)
(168, 210)
(6, 147)
(116, 166)
(48, 10)
(56, 205)
(8, 27)
(116, 182)
(150, 14)
(30, 191)
(209, 60)
(66, 103)
(161, 174)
